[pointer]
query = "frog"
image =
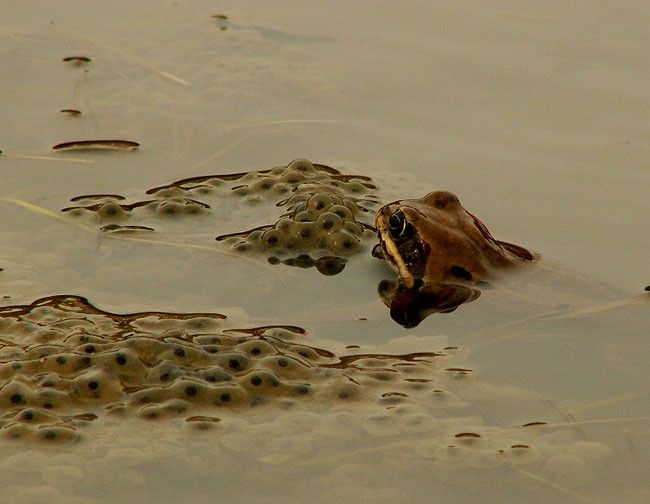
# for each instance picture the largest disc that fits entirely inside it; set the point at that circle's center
(442, 254)
(435, 239)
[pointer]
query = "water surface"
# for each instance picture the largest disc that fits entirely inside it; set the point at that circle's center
(534, 115)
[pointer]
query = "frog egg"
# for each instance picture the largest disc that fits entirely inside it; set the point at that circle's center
(66, 363)
(125, 363)
(233, 362)
(34, 416)
(203, 324)
(283, 334)
(76, 211)
(285, 226)
(256, 348)
(419, 422)
(253, 200)
(56, 434)
(8, 369)
(202, 190)
(291, 243)
(189, 390)
(110, 211)
(194, 208)
(301, 165)
(389, 399)
(260, 381)
(319, 203)
(50, 398)
(182, 353)
(342, 211)
(97, 385)
(292, 178)
(11, 352)
(329, 221)
(167, 409)
(201, 423)
(304, 216)
(41, 351)
(15, 394)
(343, 242)
(452, 456)
(355, 188)
(285, 366)
(271, 238)
(228, 395)
(17, 431)
(164, 372)
(278, 171)
(521, 454)
(263, 184)
(47, 335)
(171, 192)
(215, 374)
(281, 189)
(381, 424)
(354, 228)
(305, 232)
(148, 395)
(173, 207)
(352, 206)
(240, 191)
(341, 389)
(215, 182)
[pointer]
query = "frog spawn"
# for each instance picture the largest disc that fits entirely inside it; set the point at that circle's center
(327, 217)
(319, 229)
(63, 362)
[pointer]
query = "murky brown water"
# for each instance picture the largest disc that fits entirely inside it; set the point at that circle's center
(534, 115)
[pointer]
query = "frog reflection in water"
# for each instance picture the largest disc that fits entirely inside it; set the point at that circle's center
(441, 253)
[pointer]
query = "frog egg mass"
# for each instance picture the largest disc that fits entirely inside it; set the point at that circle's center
(64, 363)
(326, 214)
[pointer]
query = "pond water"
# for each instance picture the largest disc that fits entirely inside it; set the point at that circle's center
(535, 115)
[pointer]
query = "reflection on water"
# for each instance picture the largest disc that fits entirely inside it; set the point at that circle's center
(410, 306)
(534, 115)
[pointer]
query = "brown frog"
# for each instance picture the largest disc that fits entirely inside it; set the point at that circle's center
(441, 253)
(434, 239)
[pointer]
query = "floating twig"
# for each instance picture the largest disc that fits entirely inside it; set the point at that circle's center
(97, 145)
(77, 60)
(69, 111)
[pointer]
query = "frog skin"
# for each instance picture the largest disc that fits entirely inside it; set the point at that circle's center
(434, 239)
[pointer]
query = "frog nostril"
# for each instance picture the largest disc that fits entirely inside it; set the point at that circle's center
(460, 272)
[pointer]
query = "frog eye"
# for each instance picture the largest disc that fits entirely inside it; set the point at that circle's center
(397, 224)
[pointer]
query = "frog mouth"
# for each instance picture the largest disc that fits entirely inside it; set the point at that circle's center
(381, 251)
